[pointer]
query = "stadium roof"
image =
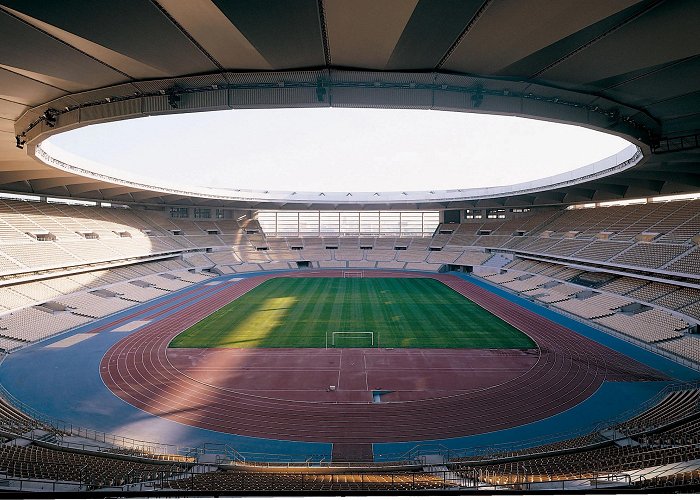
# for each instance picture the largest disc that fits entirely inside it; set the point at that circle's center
(628, 67)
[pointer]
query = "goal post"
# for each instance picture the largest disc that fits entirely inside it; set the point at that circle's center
(353, 274)
(350, 339)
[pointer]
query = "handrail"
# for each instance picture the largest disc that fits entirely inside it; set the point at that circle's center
(494, 449)
(146, 449)
(409, 481)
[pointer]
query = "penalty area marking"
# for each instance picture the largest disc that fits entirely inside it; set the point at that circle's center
(72, 340)
(130, 327)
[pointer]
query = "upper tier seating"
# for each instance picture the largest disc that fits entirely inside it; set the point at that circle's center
(36, 236)
(647, 236)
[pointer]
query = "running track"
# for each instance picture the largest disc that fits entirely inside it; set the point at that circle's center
(568, 369)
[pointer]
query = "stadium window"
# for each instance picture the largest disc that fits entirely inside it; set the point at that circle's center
(202, 213)
(219, 213)
(64, 201)
(676, 197)
(431, 220)
(472, 213)
(411, 223)
(350, 223)
(369, 223)
(636, 201)
(287, 223)
(334, 222)
(389, 223)
(330, 222)
(179, 212)
(309, 223)
(21, 197)
(451, 217)
(496, 213)
(580, 206)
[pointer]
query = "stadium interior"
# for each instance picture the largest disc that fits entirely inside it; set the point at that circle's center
(600, 266)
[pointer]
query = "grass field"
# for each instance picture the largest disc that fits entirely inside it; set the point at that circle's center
(402, 312)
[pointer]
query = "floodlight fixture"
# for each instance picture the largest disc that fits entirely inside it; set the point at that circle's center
(174, 96)
(50, 116)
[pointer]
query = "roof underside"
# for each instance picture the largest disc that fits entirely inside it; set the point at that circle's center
(627, 66)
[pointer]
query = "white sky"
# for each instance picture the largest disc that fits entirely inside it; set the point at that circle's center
(332, 149)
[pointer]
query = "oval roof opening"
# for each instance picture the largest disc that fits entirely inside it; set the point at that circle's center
(335, 149)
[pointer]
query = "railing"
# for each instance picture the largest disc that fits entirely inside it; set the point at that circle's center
(584, 482)
(129, 447)
(295, 482)
(115, 444)
(522, 448)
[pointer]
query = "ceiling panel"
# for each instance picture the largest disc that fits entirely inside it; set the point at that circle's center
(215, 33)
(533, 64)
(287, 34)
(686, 105)
(432, 30)
(49, 60)
(23, 90)
(656, 84)
(500, 37)
(11, 109)
(135, 29)
(667, 32)
(364, 33)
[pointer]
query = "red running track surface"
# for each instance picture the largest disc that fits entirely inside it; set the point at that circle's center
(280, 395)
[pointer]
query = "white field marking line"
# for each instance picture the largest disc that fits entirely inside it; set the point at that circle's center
(340, 368)
(364, 361)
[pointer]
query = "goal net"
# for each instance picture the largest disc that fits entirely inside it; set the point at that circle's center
(353, 274)
(350, 339)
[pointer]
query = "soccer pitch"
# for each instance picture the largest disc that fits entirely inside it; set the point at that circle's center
(402, 313)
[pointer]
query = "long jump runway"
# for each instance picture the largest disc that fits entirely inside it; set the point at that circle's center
(424, 394)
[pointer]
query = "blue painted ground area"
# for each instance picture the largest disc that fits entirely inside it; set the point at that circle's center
(65, 384)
